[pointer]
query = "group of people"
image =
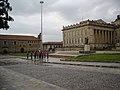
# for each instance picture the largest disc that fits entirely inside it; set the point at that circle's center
(38, 55)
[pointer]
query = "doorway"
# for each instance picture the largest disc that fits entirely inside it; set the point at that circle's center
(5, 51)
(22, 50)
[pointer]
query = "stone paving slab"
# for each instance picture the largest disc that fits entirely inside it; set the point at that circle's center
(16, 81)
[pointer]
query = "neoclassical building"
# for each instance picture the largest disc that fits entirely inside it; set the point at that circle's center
(19, 43)
(100, 35)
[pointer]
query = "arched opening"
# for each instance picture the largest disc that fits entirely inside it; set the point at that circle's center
(22, 50)
(5, 51)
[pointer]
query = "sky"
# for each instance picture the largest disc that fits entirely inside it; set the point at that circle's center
(56, 14)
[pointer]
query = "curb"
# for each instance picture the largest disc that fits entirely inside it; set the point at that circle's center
(103, 66)
(105, 61)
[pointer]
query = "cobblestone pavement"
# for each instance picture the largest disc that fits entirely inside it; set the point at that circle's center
(10, 80)
(29, 76)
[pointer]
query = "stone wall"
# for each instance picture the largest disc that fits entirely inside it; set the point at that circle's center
(18, 46)
(101, 35)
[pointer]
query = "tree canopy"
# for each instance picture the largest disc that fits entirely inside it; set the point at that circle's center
(4, 15)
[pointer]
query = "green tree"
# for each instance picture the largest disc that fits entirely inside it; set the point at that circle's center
(4, 16)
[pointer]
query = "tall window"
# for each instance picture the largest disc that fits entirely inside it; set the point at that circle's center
(14, 42)
(5, 43)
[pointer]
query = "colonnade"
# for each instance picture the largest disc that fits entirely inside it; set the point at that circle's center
(103, 36)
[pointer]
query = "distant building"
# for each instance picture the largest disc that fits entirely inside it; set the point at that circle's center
(19, 43)
(51, 46)
(98, 33)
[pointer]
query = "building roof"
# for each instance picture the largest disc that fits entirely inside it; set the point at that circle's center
(52, 43)
(88, 22)
(17, 37)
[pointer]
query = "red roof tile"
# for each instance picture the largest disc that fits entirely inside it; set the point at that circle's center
(53, 43)
(17, 37)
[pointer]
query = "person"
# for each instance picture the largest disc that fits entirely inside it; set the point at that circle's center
(47, 56)
(40, 56)
(35, 54)
(31, 55)
(27, 55)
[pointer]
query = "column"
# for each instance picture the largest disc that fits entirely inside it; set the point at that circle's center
(108, 36)
(103, 36)
(111, 37)
(63, 39)
(96, 33)
(99, 37)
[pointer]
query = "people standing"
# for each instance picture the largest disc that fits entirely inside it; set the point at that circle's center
(27, 55)
(31, 55)
(40, 56)
(35, 54)
(47, 55)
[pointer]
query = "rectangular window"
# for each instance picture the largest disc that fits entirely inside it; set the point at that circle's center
(14, 42)
(5, 43)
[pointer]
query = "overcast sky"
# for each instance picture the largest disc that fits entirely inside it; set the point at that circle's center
(56, 14)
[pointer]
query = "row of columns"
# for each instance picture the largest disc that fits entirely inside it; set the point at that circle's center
(103, 36)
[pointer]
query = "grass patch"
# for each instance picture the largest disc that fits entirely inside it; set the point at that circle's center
(19, 54)
(96, 57)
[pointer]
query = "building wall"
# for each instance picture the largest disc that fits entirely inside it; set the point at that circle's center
(100, 34)
(19, 45)
(101, 37)
(51, 47)
(117, 32)
(75, 37)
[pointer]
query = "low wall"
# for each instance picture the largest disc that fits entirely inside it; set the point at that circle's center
(69, 49)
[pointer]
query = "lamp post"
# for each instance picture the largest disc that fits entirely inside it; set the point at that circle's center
(41, 2)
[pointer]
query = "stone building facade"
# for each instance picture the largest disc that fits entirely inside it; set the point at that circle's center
(18, 43)
(100, 35)
(52, 46)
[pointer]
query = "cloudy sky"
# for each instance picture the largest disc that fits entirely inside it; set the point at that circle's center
(56, 14)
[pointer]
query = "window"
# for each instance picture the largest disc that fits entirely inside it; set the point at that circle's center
(5, 42)
(14, 42)
(29, 44)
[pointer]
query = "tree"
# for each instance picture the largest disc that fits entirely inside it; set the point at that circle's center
(4, 16)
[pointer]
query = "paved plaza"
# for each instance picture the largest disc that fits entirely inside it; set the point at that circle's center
(25, 75)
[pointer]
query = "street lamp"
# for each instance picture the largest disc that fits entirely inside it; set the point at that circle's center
(41, 2)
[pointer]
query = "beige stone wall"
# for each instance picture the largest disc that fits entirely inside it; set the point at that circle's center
(75, 37)
(101, 35)
(117, 37)
(69, 49)
(17, 45)
(98, 37)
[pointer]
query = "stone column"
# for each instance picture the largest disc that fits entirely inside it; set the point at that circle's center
(105, 37)
(99, 34)
(102, 36)
(108, 37)
(96, 33)
(63, 39)
(66, 38)
(111, 36)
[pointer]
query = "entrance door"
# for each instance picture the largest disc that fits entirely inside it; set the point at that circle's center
(22, 50)
(5, 52)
